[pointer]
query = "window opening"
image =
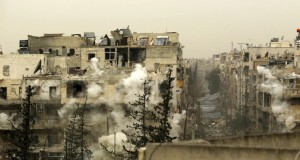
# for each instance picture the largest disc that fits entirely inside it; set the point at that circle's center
(91, 55)
(3, 92)
(52, 92)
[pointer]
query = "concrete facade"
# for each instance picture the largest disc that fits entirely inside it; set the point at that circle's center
(68, 68)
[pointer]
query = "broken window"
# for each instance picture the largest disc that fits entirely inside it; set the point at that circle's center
(122, 58)
(246, 57)
(110, 53)
(76, 89)
(71, 52)
(52, 92)
(90, 56)
(3, 92)
(161, 40)
(6, 70)
(143, 40)
(41, 51)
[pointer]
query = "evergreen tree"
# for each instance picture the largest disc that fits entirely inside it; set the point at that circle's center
(162, 131)
(21, 136)
(140, 113)
(149, 126)
(76, 147)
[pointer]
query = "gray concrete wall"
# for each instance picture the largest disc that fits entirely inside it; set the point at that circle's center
(287, 140)
(212, 152)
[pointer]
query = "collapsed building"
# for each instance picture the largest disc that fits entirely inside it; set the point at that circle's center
(263, 82)
(63, 68)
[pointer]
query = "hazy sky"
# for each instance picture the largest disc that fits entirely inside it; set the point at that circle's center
(205, 27)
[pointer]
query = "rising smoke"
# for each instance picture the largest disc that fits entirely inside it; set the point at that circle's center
(279, 107)
(108, 111)
(98, 72)
(3, 119)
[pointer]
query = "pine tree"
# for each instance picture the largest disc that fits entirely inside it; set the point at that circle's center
(162, 132)
(76, 147)
(140, 113)
(21, 136)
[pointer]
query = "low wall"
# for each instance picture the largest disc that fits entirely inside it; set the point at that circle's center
(286, 140)
(216, 152)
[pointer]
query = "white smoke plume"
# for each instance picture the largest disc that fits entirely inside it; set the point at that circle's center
(67, 109)
(275, 88)
(111, 142)
(174, 122)
(36, 82)
(98, 71)
(4, 119)
(94, 90)
(107, 111)
(133, 83)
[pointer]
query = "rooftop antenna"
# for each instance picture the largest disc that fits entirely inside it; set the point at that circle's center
(1, 49)
(166, 29)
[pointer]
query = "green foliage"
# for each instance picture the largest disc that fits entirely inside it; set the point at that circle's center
(163, 109)
(76, 147)
(139, 112)
(21, 136)
(214, 81)
(150, 126)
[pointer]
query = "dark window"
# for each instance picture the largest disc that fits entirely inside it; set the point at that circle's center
(110, 53)
(90, 56)
(246, 57)
(161, 41)
(76, 89)
(52, 92)
(72, 52)
(41, 51)
(50, 50)
(3, 93)
(106, 56)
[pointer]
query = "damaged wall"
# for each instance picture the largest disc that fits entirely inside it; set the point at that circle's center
(20, 65)
(160, 55)
(59, 45)
(45, 88)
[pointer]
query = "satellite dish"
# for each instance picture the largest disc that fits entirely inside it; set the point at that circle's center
(38, 67)
(121, 31)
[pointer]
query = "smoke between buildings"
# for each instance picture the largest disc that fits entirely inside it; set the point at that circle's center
(111, 111)
(98, 72)
(280, 108)
(4, 119)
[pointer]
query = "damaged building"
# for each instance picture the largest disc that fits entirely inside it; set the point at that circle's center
(263, 81)
(61, 68)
